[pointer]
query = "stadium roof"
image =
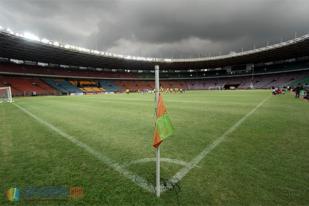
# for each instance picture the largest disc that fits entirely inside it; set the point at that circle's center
(30, 48)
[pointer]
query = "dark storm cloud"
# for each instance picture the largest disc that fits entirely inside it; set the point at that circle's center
(67, 21)
(173, 28)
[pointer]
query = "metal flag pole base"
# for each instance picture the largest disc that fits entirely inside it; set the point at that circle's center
(157, 91)
(158, 189)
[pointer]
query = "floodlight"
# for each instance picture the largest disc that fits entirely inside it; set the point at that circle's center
(56, 43)
(30, 36)
(9, 30)
(168, 60)
(45, 41)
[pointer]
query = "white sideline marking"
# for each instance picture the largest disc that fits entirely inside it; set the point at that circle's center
(106, 160)
(195, 161)
(145, 160)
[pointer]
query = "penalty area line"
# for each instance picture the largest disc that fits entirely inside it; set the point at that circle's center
(106, 160)
(196, 160)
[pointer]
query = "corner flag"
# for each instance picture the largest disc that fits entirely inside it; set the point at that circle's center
(164, 127)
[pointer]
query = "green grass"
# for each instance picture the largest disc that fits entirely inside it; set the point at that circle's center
(263, 162)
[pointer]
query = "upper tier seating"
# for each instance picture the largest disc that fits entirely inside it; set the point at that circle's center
(25, 69)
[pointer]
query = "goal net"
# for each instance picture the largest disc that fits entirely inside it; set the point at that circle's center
(215, 88)
(5, 94)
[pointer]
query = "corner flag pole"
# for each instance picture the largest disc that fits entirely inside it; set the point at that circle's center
(157, 93)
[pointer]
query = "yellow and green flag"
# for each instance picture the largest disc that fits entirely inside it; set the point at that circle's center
(164, 127)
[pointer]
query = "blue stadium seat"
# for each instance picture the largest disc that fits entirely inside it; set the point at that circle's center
(63, 86)
(109, 86)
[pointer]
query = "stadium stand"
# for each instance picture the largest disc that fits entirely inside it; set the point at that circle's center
(63, 86)
(88, 86)
(26, 86)
(109, 86)
(16, 69)
(302, 81)
(40, 68)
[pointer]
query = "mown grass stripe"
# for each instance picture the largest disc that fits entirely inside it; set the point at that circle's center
(106, 160)
(196, 160)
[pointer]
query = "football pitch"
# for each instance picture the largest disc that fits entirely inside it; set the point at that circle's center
(229, 148)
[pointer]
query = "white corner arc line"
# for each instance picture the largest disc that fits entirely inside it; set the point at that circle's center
(106, 160)
(196, 160)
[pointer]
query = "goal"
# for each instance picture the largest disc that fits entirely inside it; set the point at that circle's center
(215, 88)
(5, 94)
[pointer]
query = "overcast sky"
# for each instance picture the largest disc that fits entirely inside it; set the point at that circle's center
(159, 28)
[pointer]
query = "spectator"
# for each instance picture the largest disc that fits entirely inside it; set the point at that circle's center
(273, 90)
(297, 90)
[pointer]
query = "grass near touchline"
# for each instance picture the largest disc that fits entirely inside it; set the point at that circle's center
(263, 162)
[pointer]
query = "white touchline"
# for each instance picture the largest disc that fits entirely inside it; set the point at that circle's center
(195, 161)
(130, 175)
(106, 160)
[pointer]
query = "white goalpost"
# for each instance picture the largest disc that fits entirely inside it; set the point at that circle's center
(6, 94)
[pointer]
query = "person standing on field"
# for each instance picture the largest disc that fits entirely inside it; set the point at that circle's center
(297, 91)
